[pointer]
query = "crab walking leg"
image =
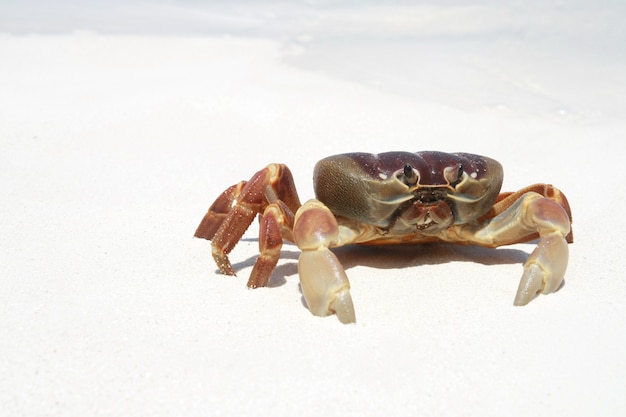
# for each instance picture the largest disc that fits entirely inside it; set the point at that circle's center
(506, 199)
(218, 212)
(276, 222)
(531, 214)
(229, 233)
(225, 222)
(324, 283)
(232, 212)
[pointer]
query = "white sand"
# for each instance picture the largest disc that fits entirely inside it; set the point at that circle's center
(112, 148)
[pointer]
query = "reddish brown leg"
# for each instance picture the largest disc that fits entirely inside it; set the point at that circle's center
(218, 211)
(230, 232)
(232, 212)
(276, 224)
(506, 199)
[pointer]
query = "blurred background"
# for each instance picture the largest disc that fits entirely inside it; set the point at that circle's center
(522, 56)
(122, 120)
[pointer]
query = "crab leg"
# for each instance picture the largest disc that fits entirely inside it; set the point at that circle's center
(230, 232)
(506, 199)
(232, 212)
(276, 224)
(530, 215)
(218, 211)
(323, 280)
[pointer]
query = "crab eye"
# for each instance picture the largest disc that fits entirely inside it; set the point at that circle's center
(408, 171)
(460, 171)
(410, 176)
(454, 174)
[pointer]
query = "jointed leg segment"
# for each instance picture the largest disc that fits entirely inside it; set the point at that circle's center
(527, 217)
(270, 193)
(276, 223)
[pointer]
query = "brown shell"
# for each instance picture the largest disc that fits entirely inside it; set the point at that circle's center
(366, 187)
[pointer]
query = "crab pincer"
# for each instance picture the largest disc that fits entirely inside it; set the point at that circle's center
(323, 281)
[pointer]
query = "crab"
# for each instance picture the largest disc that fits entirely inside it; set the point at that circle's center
(388, 199)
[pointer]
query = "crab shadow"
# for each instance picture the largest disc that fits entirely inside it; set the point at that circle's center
(394, 257)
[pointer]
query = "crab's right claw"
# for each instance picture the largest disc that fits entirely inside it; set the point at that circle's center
(323, 280)
(325, 285)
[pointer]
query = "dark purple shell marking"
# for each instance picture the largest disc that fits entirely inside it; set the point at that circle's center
(364, 187)
(429, 164)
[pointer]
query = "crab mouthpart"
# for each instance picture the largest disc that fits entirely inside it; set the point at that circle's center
(423, 216)
(433, 214)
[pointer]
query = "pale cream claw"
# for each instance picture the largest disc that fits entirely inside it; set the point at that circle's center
(323, 280)
(325, 285)
(530, 285)
(531, 215)
(544, 270)
(343, 307)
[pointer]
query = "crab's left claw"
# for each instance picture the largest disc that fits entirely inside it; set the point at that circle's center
(545, 268)
(530, 215)
(323, 280)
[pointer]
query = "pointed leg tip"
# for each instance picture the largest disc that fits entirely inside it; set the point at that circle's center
(530, 285)
(254, 282)
(347, 320)
(521, 300)
(226, 269)
(343, 307)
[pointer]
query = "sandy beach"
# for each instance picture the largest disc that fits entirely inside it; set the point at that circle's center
(114, 142)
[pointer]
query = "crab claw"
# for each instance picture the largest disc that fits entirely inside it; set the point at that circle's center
(324, 283)
(525, 216)
(544, 270)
